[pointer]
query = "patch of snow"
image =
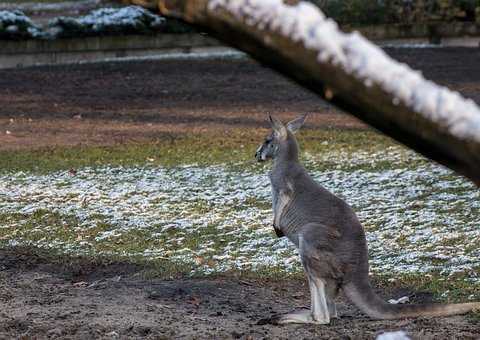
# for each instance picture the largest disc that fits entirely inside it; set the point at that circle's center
(398, 335)
(403, 299)
(358, 57)
(210, 53)
(15, 24)
(130, 19)
(400, 45)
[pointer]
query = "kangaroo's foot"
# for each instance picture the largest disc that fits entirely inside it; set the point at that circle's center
(301, 316)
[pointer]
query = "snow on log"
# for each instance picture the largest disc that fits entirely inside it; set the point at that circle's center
(298, 40)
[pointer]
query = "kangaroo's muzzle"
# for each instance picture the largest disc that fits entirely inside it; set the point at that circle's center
(259, 155)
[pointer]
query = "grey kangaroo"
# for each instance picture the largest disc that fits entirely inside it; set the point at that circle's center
(330, 239)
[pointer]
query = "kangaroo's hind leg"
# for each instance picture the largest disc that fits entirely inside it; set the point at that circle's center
(319, 312)
(331, 293)
(319, 301)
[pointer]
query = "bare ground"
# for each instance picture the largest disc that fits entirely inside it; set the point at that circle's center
(83, 300)
(116, 103)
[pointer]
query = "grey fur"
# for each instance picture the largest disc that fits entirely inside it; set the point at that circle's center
(330, 239)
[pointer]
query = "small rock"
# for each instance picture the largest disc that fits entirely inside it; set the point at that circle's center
(216, 314)
(143, 330)
(112, 334)
(54, 332)
(236, 335)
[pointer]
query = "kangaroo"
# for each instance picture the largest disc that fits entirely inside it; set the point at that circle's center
(330, 239)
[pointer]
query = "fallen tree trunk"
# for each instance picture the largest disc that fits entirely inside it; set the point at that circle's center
(298, 41)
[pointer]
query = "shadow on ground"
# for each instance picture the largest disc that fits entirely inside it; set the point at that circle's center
(76, 298)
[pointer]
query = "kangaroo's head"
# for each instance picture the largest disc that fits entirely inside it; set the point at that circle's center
(281, 141)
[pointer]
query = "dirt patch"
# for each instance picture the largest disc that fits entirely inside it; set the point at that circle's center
(112, 103)
(89, 300)
(105, 104)
(28, 133)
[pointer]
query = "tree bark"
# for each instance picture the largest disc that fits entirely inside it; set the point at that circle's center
(368, 102)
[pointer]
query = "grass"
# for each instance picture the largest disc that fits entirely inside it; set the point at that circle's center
(148, 205)
(202, 149)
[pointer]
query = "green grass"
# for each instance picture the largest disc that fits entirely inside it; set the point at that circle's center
(204, 149)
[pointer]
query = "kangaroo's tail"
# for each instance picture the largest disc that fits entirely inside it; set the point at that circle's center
(360, 292)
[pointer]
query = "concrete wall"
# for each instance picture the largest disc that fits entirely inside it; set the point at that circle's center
(46, 52)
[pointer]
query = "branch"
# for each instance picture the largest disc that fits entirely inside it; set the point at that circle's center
(347, 70)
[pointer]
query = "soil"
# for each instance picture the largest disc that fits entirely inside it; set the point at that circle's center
(83, 300)
(114, 103)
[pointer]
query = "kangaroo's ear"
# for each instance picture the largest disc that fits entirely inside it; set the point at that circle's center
(278, 127)
(297, 123)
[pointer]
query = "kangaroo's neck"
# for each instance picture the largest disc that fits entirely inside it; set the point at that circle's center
(287, 152)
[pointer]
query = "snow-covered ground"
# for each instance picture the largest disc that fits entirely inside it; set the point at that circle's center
(209, 53)
(419, 218)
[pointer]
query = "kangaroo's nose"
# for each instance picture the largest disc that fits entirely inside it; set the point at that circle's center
(258, 156)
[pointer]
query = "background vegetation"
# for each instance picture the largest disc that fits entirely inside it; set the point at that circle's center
(400, 11)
